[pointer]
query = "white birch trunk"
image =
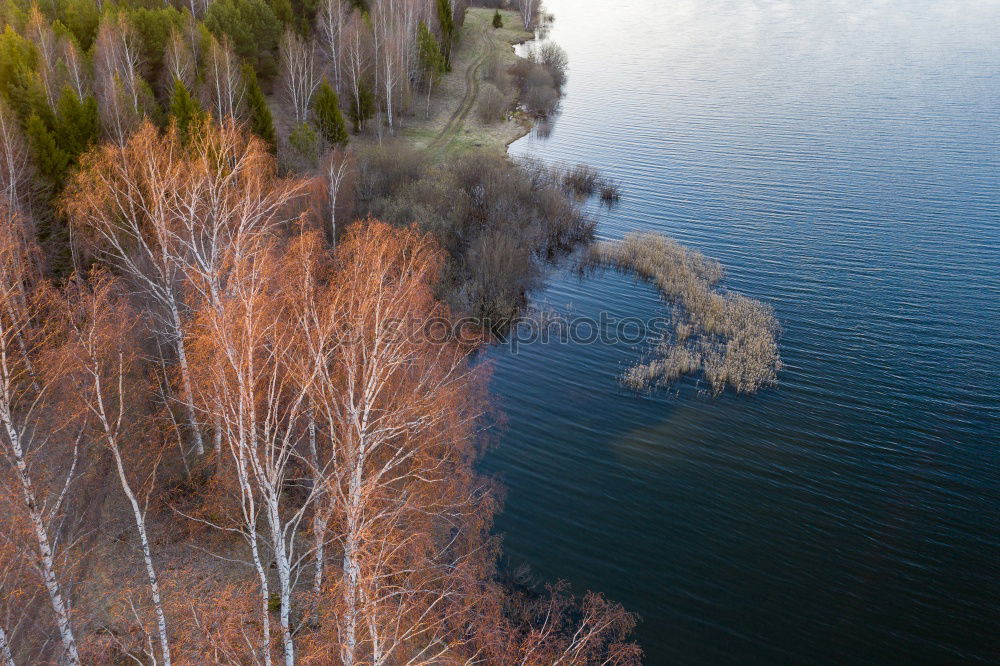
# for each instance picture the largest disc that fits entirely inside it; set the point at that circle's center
(264, 594)
(284, 577)
(187, 392)
(46, 558)
(140, 518)
(6, 658)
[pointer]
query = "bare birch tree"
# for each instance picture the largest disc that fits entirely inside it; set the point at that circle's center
(330, 21)
(178, 62)
(223, 83)
(388, 402)
(41, 34)
(117, 201)
(76, 70)
(244, 348)
(98, 358)
(356, 54)
(300, 77)
(337, 167)
(6, 658)
(16, 172)
(121, 92)
(529, 12)
(22, 397)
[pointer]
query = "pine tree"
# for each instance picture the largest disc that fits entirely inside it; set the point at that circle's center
(329, 119)
(50, 160)
(431, 59)
(446, 20)
(184, 109)
(497, 20)
(261, 122)
(306, 142)
(78, 123)
(362, 107)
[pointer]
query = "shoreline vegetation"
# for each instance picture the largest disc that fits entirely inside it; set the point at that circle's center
(727, 338)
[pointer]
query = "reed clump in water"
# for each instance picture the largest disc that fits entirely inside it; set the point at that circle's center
(731, 339)
(610, 192)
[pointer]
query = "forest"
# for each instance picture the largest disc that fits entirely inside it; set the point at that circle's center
(237, 424)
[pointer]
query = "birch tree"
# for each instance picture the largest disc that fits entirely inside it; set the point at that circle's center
(300, 77)
(529, 10)
(355, 54)
(336, 169)
(330, 21)
(22, 396)
(117, 202)
(244, 348)
(390, 44)
(6, 658)
(121, 92)
(98, 359)
(16, 172)
(41, 34)
(76, 70)
(223, 81)
(178, 62)
(388, 401)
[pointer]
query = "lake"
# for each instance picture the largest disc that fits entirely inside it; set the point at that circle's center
(842, 160)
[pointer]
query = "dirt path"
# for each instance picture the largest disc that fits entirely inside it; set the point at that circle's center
(472, 79)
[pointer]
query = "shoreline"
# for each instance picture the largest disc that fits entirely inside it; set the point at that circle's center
(452, 124)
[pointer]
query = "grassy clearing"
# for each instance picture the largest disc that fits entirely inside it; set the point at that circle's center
(450, 123)
(731, 339)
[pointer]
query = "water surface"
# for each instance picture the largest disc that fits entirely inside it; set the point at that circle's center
(842, 159)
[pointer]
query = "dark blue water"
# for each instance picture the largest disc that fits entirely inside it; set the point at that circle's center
(842, 159)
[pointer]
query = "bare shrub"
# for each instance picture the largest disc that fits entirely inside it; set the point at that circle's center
(496, 219)
(541, 100)
(522, 68)
(610, 192)
(384, 169)
(729, 338)
(581, 179)
(493, 67)
(551, 56)
(539, 77)
(492, 105)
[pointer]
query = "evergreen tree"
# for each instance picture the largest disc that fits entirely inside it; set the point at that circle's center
(446, 20)
(282, 11)
(362, 107)
(429, 52)
(305, 141)
(184, 109)
(497, 20)
(431, 59)
(329, 119)
(261, 122)
(154, 27)
(50, 160)
(78, 124)
(252, 28)
(82, 18)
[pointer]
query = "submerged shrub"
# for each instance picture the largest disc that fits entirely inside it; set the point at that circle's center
(610, 192)
(581, 179)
